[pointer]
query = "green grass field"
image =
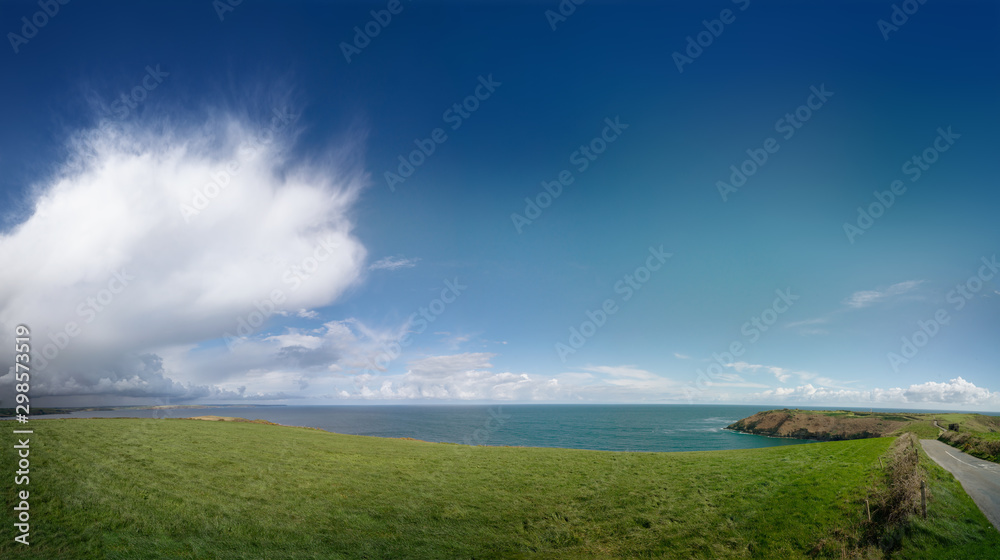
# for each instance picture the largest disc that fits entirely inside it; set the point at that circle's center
(157, 489)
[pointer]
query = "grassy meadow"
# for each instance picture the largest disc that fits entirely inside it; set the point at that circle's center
(191, 489)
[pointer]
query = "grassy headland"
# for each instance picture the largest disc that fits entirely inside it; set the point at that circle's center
(147, 488)
(834, 425)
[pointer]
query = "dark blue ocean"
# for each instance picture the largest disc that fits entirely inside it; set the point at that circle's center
(606, 427)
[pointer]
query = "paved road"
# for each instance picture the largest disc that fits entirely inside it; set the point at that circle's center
(981, 479)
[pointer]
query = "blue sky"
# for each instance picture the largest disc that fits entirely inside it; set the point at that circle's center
(643, 125)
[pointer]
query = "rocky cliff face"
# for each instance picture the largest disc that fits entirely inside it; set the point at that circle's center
(813, 425)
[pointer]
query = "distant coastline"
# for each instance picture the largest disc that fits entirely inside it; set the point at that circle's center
(8, 413)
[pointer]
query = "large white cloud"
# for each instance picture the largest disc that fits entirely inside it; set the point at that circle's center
(168, 236)
(957, 390)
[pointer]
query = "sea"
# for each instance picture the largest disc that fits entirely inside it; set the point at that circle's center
(600, 427)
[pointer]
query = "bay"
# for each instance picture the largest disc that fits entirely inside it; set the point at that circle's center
(600, 427)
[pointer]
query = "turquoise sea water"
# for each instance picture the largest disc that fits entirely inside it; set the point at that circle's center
(606, 427)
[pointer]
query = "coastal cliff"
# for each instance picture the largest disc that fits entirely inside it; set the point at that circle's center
(823, 426)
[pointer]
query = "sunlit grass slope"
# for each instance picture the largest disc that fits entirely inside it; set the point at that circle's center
(147, 488)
